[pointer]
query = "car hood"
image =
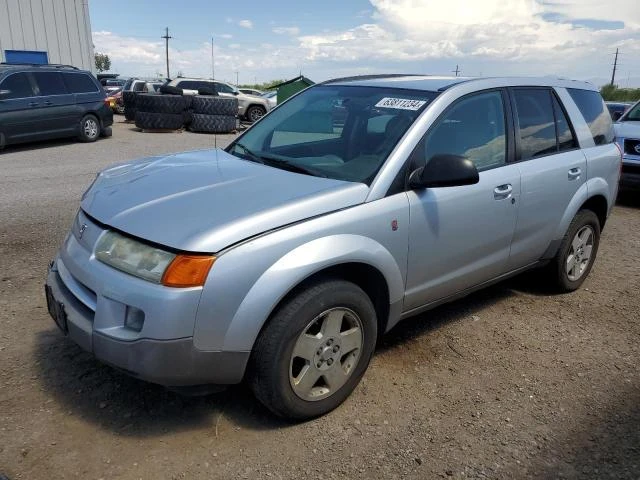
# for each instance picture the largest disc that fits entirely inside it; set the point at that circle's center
(629, 129)
(206, 200)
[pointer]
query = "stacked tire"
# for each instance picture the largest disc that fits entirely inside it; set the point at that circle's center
(213, 114)
(161, 112)
(129, 101)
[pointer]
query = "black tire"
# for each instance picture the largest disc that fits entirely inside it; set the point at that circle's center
(212, 123)
(557, 269)
(208, 105)
(129, 98)
(272, 360)
(188, 117)
(159, 121)
(153, 103)
(89, 129)
(169, 90)
(119, 108)
(207, 91)
(255, 113)
(130, 113)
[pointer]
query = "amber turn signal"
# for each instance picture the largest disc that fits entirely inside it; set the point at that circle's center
(188, 271)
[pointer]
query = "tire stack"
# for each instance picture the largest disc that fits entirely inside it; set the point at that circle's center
(129, 101)
(161, 112)
(213, 114)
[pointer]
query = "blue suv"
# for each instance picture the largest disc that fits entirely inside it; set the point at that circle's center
(41, 102)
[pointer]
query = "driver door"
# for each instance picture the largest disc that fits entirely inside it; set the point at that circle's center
(460, 236)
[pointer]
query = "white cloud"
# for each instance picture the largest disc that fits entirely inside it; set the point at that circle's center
(287, 30)
(490, 37)
(224, 35)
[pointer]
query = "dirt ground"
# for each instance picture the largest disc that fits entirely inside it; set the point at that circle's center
(511, 382)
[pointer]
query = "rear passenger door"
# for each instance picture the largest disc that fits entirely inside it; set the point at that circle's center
(55, 104)
(87, 95)
(552, 169)
(18, 113)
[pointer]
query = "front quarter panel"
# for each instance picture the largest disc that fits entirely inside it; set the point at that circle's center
(248, 281)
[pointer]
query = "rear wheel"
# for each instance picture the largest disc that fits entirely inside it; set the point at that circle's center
(572, 264)
(314, 350)
(89, 128)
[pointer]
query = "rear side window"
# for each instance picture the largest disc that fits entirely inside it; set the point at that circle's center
(17, 86)
(221, 87)
(595, 113)
(566, 138)
(79, 83)
(50, 83)
(534, 111)
(139, 86)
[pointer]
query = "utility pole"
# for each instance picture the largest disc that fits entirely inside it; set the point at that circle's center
(457, 71)
(236, 78)
(615, 65)
(213, 70)
(166, 48)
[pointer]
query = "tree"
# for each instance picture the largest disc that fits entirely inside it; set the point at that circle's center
(103, 62)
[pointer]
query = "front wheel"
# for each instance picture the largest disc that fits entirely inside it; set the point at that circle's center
(255, 113)
(314, 350)
(89, 129)
(572, 264)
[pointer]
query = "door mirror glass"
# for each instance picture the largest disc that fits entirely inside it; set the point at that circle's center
(445, 170)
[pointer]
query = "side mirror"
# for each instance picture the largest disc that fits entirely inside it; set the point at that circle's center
(236, 92)
(615, 116)
(445, 171)
(4, 93)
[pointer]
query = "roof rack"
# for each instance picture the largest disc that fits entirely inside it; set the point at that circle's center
(44, 65)
(373, 77)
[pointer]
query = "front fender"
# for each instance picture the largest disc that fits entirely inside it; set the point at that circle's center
(296, 266)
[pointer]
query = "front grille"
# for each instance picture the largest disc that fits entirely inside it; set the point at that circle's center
(630, 169)
(630, 146)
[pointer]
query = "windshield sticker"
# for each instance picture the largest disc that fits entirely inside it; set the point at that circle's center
(401, 103)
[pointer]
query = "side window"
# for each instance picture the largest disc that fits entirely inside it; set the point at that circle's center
(50, 83)
(222, 88)
(595, 113)
(474, 128)
(17, 86)
(534, 112)
(566, 138)
(79, 83)
(138, 86)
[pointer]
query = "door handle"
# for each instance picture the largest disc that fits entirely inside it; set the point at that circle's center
(48, 103)
(503, 191)
(574, 173)
(33, 104)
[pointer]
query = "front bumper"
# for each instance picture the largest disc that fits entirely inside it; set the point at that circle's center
(630, 177)
(97, 300)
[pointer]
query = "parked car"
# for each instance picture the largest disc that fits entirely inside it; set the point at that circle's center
(283, 258)
(628, 139)
(115, 101)
(112, 84)
(40, 102)
(616, 109)
(251, 91)
(142, 86)
(272, 98)
(250, 107)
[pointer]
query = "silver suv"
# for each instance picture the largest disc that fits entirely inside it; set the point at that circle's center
(357, 203)
(249, 106)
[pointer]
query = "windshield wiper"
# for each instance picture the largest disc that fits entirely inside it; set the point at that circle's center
(252, 156)
(276, 162)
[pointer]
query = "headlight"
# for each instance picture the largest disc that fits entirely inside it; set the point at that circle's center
(151, 263)
(133, 257)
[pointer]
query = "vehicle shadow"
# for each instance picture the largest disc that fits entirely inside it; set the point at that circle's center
(102, 395)
(37, 145)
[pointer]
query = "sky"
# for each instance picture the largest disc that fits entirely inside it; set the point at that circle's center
(256, 42)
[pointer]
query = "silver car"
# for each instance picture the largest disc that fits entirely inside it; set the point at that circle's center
(356, 204)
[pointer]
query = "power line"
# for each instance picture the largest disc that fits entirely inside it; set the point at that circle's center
(166, 48)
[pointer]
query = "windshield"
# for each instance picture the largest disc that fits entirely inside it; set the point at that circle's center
(633, 114)
(340, 132)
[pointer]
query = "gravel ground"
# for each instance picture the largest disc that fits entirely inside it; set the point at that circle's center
(511, 382)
